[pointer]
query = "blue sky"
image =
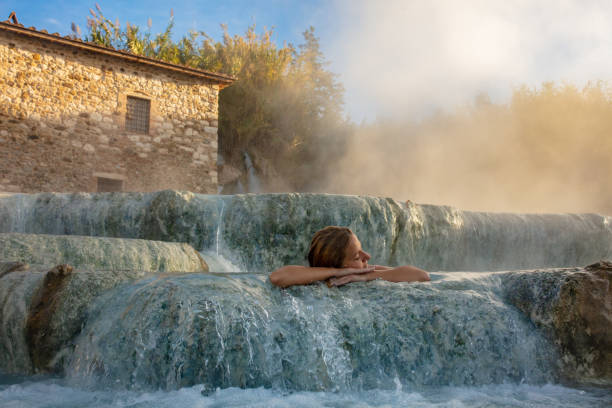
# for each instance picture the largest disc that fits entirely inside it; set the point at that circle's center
(395, 58)
(289, 18)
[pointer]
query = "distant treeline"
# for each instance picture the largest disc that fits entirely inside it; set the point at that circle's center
(284, 110)
(549, 149)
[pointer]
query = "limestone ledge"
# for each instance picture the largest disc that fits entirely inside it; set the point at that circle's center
(573, 307)
(101, 253)
(44, 307)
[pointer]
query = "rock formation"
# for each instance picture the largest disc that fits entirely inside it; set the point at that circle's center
(100, 253)
(574, 308)
(265, 231)
(44, 307)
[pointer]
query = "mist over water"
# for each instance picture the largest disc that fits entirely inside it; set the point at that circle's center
(458, 108)
(546, 151)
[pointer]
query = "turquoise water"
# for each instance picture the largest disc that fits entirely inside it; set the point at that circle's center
(57, 394)
(265, 231)
(233, 339)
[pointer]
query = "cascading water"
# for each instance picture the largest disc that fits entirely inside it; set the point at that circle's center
(220, 331)
(215, 258)
(254, 184)
(221, 339)
(265, 231)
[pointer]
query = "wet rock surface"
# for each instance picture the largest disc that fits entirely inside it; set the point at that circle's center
(265, 231)
(17, 290)
(174, 330)
(583, 321)
(574, 308)
(111, 317)
(100, 253)
(39, 333)
(43, 309)
(8, 267)
(240, 331)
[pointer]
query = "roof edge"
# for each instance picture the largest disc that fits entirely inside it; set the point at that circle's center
(222, 79)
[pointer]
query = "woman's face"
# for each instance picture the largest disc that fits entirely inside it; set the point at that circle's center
(355, 257)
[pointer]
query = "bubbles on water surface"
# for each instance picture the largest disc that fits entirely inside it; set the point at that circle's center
(56, 393)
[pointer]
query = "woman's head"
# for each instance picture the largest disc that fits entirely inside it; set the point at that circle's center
(336, 247)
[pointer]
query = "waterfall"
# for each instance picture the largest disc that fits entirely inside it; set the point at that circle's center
(263, 232)
(219, 225)
(218, 331)
(221, 331)
(216, 256)
(481, 332)
(254, 184)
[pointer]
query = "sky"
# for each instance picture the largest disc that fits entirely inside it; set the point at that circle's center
(395, 58)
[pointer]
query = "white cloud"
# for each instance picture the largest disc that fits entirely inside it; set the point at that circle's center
(407, 57)
(54, 22)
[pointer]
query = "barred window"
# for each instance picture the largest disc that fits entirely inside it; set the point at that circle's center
(109, 185)
(137, 115)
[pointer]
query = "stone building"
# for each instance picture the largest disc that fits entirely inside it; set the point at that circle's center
(75, 116)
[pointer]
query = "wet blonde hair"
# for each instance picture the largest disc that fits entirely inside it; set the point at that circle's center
(328, 247)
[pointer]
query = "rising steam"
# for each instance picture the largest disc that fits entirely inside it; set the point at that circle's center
(548, 150)
(460, 108)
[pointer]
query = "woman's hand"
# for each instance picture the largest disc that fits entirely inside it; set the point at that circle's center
(348, 275)
(353, 271)
(343, 280)
(404, 273)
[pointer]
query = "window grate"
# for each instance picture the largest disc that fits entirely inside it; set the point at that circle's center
(109, 185)
(137, 115)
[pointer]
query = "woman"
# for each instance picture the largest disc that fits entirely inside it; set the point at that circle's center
(336, 255)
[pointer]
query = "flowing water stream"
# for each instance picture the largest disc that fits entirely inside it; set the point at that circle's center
(227, 339)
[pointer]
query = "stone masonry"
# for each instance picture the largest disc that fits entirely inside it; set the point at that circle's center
(63, 105)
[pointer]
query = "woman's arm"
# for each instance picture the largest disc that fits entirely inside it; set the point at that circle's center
(404, 273)
(303, 275)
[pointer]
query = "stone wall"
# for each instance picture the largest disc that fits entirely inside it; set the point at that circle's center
(62, 122)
